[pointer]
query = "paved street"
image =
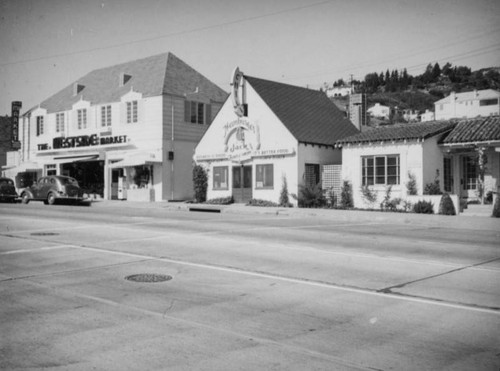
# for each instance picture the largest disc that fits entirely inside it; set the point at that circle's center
(250, 289)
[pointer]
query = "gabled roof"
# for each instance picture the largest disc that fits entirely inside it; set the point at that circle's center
(152, 76)
(400, 132)
(483, 129)
(470, 95)
(308, 114)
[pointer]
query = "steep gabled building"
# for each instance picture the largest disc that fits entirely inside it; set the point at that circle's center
(269, 133)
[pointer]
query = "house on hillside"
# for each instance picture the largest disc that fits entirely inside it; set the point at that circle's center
(379, 111)
(339, 91)
(126, 131)
(427, 116)
(269, 133)
(468, 105)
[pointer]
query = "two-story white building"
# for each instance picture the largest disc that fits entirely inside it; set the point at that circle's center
(468, 105)
(127, 131)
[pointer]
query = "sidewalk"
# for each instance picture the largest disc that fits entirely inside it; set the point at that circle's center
(441, 221)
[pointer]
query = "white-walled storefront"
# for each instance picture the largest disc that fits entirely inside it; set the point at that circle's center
(124, 132)
(252, 147)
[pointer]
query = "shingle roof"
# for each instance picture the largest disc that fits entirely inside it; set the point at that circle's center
(402, 132)
(483, 129)
(152, 76)
(308, 114)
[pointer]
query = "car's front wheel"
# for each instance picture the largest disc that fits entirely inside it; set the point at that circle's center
(51, 199)
(25, 198)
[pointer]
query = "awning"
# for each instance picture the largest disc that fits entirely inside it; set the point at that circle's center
(65, 159)
(135, 160)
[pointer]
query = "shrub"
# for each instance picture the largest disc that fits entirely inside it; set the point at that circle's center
(384, 205)
(346, 195)
(446, 206)
(433, 188)
(258, 202)
(496, 207)
(311, 196)
(200, 182)
(369, 195)
(423, 207)
(411, 185)
(220, 201)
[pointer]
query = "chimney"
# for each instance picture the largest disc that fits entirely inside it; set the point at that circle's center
(124, 78)
(77, 88)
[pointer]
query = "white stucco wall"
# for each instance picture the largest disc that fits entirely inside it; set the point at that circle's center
(410, 159)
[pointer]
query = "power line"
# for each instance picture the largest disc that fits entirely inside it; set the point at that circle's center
(179, 33)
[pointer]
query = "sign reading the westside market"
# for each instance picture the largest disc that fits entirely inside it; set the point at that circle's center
(83, 141)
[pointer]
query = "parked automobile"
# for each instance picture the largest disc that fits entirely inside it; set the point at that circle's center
(53, 188)
(8, 190)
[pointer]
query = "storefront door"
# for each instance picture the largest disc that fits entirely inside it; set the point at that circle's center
(242, 183)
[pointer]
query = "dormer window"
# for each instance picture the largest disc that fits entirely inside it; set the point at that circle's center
(77, 89)
(124, 78)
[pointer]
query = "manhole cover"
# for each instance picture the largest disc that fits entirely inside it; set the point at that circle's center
(44, 234)
(148, 277)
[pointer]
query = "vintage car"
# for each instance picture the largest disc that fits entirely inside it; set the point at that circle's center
(53, 188)
(8, 190)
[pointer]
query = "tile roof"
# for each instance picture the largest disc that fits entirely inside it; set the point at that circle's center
(470, 95)
(308, 114)
(483, 129)
(400, 132)
(152, 76)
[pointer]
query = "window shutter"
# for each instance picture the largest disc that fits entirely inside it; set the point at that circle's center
(208, 114)
(187, 111)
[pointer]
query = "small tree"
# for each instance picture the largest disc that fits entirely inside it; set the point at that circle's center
(284, 200)
(311, 196)
(411, 185)
(346, 195)
(446, 206)
(200, 183)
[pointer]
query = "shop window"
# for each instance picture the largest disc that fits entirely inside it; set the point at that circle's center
(105, 116)
(132, 113)
(264, 177)
(220, 177)
(470, 173)
(39, 125)
(197, 113)
(380, 170)
(312, 175)
(60, 122)
(141, 175)
(51, 169)
(82, 118)
(448, 174)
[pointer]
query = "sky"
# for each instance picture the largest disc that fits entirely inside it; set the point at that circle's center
(46, 45)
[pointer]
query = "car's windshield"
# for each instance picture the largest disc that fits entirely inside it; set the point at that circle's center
(6, 182)
(68, 181)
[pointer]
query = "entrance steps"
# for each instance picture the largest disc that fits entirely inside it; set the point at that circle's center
(478, 210)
